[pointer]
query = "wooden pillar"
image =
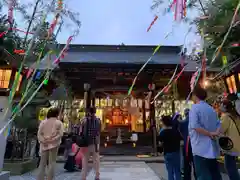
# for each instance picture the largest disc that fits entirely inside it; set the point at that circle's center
(153, 118)
(93, 100)
(144, 116)
(87, 98)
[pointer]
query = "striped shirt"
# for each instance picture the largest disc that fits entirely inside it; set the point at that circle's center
(91, 127)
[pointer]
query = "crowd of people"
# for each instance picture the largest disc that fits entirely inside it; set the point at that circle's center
(77, 153)
(205, 136)
(190, 146)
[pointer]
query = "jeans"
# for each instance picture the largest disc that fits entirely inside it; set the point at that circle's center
(207, 169)
(182, 158)
(173, 165)
(188, 164)
(231, 167)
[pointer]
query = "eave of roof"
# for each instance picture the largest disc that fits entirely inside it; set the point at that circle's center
(121, 48)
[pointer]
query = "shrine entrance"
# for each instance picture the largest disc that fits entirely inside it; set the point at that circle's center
(117, 126)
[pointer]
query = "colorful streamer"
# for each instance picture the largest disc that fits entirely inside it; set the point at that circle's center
(195, 81)
(152, 23)
(45, 81)
(10, 12)
(141, 69)
(219, 48)
(32, 96)
(64, 50)
(60, 5)
(2, 34)
(168, 84)
(180, 9)
(14, 86)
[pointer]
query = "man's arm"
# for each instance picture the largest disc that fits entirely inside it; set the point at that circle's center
(195, 124)
(59, 133)
(40, 133)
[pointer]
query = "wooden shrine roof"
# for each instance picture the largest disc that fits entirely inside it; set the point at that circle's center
(113, 68)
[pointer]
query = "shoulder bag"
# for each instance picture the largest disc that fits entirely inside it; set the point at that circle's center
(225, 142)
(82, 138)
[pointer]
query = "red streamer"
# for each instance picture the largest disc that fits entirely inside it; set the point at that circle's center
(152, 23)
(2, 34)
(179, 74)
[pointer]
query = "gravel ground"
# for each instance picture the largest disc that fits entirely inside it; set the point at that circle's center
(160, 170)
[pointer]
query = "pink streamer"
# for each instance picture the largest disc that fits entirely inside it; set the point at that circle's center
(29, 72)
(64, 50)
(179, 10)
(10, 11)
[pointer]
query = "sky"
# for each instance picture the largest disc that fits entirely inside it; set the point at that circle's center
(125, 21)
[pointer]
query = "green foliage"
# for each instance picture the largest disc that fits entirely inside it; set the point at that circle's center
(11, 40)
(215, 27)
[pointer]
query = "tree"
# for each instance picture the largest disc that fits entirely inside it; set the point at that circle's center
(215, 27)
(11, 40)
(219, 13)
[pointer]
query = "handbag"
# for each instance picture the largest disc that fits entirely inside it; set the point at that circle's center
(225, 142)
(82, 138)
(70, 164)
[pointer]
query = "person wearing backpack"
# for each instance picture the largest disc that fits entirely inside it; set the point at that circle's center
(230, 127)
(91, 128)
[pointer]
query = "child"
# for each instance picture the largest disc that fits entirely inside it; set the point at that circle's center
(78, 156)
(170, 141)
(68, 145)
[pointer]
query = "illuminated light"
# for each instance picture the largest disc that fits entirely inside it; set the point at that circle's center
(235, 45)
(107, 138)
(105, 144)
(134, 145)
(107, 121)
(206, 83)
(126, 121)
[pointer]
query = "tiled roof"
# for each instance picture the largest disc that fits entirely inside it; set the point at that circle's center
(122, 54)
(121, 57)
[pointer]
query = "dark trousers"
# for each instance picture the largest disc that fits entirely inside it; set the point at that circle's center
(207, 169)
(231, 167)
(173, 165)
(188, 165)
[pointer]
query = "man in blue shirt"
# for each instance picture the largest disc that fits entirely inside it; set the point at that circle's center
(203, 127)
